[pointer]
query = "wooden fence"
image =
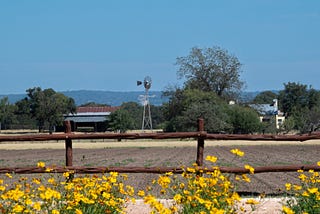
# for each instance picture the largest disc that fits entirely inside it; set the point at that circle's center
(200, 135)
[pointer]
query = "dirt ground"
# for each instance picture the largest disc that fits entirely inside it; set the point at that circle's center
(170, 154)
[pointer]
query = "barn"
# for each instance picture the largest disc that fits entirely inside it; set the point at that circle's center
(91, 118)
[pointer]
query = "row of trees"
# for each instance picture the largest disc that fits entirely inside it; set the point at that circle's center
(212, 79)
(299, 102)
(41, 108)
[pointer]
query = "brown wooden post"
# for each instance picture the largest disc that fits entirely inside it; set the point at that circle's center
(200, 147)
(68, 144)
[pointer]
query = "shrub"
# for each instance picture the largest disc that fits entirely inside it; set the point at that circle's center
(306, 194)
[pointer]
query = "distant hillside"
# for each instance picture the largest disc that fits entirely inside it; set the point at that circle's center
(116, 98)
(111, 98)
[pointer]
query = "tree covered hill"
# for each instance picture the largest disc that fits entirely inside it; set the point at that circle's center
(112, 98)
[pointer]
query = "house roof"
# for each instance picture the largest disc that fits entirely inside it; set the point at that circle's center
(265, 109)
(88, 119)
(92, 109)
(91, 114)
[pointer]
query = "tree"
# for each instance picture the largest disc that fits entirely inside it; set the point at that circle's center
(121, 121)
(244, 120)
(302, 104)
(7, 116)
(293, 98)
(135, 111)
(23, 114)
(186, 106)
(48, 107)
(211, 70)
(265, 97)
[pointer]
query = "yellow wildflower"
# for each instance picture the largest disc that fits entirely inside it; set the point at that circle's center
(212, 159)
(17, 208)
(237, 152)
(37, 206)
(287, 210)
(302, 177)
(177, 198)
(250, 168)
(313, 190)
(141, 193)
(164, 181)
(288, 186)
(8, 175)
(48, 169)
(192, 170)
(297, 187)
(41, 164)
(245, 178)
(78, 211)
(55, 212)
(252, 201)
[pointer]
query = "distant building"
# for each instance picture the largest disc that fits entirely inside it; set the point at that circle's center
(90, 119)
(269, 111)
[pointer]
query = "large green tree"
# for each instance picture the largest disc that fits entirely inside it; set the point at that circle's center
(302, 103)
(7, 116)
(121, 121)
(24, 116)
(244, 120)
(186, 106)
(48, 107)
(265, 97)
(211, 70)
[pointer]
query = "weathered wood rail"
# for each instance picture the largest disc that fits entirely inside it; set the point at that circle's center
(200, 135)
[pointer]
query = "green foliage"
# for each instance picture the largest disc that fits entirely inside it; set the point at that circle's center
(135, 111)
(244, 120)
(293, 98)
(265, 97)
(121, 121)
(211, 70)
(269, 127)
(288, 125)
(186, 106)
(48, 107)
(7, 116)
(306, 194)
(302, 104)
(23, 114)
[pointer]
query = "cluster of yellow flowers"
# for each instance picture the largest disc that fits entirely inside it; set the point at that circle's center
(197, 190)
(305, 195)
(88, 194)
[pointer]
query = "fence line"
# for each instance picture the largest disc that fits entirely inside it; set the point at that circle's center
(200, 135)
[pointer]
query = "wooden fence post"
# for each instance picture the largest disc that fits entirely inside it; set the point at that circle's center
(68, 144)
(200, 147)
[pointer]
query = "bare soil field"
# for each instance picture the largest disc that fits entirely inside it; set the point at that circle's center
(170, 154)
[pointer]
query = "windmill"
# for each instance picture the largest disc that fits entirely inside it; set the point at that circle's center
(146, 118)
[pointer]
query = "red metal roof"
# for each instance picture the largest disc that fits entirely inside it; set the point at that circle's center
(97, 109)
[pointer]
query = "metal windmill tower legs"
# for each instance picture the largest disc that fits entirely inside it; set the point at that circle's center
(146, 120)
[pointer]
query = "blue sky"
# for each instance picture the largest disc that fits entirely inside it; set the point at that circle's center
(108, 45)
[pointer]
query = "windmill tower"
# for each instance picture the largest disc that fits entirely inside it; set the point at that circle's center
(146, 118)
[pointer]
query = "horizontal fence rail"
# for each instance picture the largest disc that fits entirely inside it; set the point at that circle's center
(200, 135)
(159, 136)
(154, 170)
